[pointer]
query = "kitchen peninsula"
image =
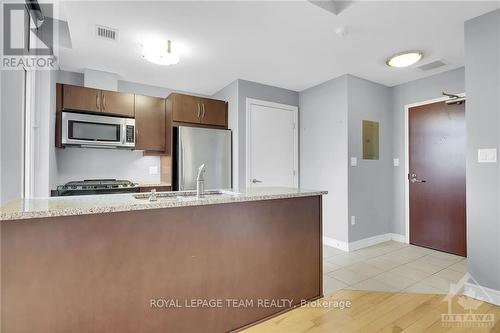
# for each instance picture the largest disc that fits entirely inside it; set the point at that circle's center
(122, 263)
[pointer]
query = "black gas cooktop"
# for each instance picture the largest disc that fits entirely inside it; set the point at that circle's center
(96, 186)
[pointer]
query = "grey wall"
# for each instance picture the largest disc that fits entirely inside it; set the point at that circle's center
(414, 92)
(230, 94)
(12, 129)
(482, 76)
(370, 183)
(248, 89)
(323, 151)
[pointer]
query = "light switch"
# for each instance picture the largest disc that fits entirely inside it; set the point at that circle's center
(487, 155)
(354, 161)
(396, 162)
(153, 170)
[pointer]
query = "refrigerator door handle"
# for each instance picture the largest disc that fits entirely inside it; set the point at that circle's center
(181, 166)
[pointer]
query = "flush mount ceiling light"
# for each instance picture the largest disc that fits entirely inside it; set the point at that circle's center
(160, 52)
(404, 59)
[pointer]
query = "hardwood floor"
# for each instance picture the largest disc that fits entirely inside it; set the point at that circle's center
(384, 312)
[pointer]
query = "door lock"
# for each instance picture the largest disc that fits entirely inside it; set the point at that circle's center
(414, 179)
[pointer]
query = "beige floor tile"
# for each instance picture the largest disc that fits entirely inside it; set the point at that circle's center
(410, 273)
(446, 256)
(438, 282)
(395, 258)
(394, 280)
(331, 285)
(382, 263)
(421, 288)
(460, 266)
(435, 261)
(450, 275)
(424, 267)
(371, 252)
(329, 251)
(344, 259)
(348, 276)
(411, 252)
(328, 267)
(373, 285)
(365, 269)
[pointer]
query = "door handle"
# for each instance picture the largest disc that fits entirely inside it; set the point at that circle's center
(97, 101)
(203, 110)
(256, 181)
(103, 102)
(198, 114)
(414, 179)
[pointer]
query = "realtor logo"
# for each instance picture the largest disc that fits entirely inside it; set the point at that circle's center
(27, 44)
(468, 312)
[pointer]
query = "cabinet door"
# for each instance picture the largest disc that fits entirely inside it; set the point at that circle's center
(81, 99)
(150, 123)
(118, 103)
(186, 109)
(213, 112)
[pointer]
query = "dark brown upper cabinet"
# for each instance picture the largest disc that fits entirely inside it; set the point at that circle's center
(213, 112)
(117, 103)
(151, 124)
(95, 100)
(198, 110)
(81, 99)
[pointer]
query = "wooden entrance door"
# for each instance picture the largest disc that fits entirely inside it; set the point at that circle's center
(437, 177)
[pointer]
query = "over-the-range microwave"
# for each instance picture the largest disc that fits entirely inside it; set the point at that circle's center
(96, 131)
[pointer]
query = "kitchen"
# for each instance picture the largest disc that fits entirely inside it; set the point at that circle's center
(207, 167)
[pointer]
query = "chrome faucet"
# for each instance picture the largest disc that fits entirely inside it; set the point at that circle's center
(152, 195)
(200, 182)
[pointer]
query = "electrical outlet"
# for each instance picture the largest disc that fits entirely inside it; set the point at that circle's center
(153, 170)
(353, 220)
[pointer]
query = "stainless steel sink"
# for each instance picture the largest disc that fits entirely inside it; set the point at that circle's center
(184, 195)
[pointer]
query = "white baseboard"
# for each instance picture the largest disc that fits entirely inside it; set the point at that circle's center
(359, 244)
(482, 293)
(344, 246)
(399, 238)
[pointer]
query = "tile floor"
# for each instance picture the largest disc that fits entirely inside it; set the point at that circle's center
(391, 266)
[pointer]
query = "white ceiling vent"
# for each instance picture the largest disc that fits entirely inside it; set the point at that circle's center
(106, 33)
(432, 65)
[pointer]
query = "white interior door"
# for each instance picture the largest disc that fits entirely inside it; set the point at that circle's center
(272, 144)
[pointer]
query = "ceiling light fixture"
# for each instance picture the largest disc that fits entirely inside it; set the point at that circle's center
(404, 59)
(160, 52)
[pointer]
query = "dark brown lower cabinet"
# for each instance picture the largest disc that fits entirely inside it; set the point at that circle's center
(148, 270)
(150, 123)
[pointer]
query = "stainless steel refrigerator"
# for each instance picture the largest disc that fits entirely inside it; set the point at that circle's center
(192, 147)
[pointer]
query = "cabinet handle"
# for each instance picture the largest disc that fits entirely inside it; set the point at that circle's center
(203, 108)
(103, 102)
(97, 102)
(198, 114)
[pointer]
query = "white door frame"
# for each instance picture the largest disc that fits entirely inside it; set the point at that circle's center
(291, 108)
(407, 157)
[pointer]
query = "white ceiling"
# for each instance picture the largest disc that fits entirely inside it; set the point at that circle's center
(286, 44)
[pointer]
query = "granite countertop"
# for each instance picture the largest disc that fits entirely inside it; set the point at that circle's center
(161, 184)
(95, 204)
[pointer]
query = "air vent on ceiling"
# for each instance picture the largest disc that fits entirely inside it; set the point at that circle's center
(431, 65)
(106, 33)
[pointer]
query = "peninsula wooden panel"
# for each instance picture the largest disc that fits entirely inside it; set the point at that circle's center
(99, 272)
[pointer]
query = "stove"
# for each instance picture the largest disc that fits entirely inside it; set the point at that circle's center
(96, 186)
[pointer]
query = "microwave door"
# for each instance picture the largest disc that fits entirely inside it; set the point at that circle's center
(93, 130)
